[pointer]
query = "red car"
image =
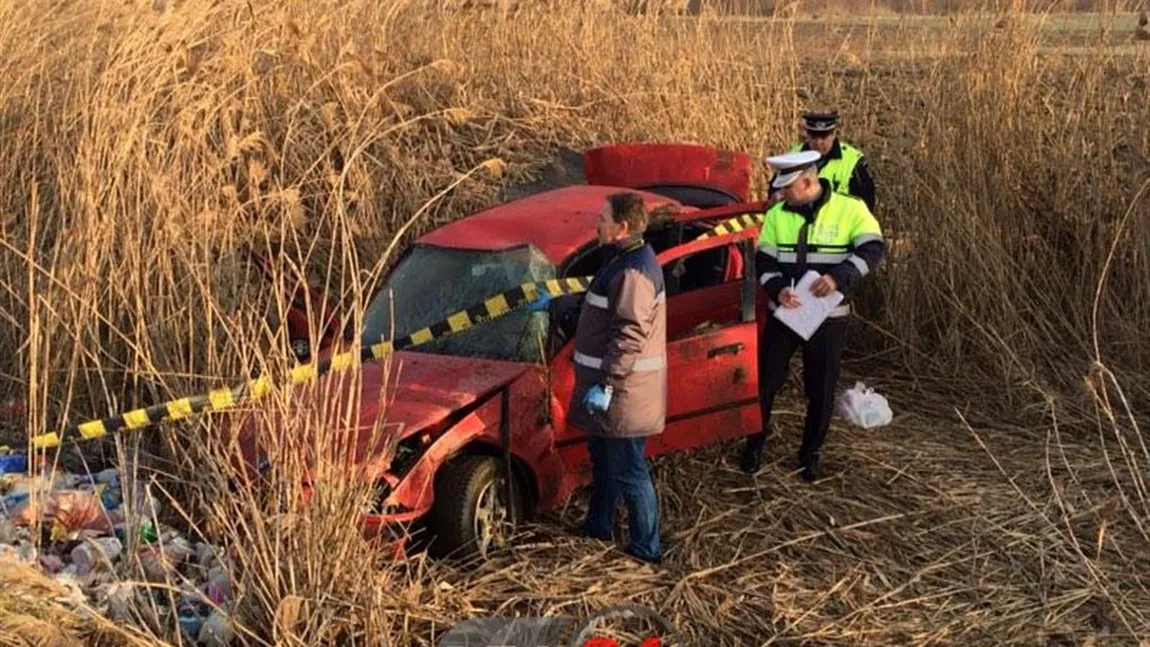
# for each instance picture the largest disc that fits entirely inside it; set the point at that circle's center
(464, 406)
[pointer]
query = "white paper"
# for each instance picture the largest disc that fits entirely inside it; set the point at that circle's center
(812, 310)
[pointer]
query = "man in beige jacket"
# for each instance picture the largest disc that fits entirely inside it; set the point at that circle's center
(620, 394)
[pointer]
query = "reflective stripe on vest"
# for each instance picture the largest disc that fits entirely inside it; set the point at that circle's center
(816, 258)
(842, 224)
(641, 365)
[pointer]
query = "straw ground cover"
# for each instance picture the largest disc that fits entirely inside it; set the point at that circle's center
(147, 146)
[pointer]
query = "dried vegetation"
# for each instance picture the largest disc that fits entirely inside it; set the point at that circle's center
(148, 146)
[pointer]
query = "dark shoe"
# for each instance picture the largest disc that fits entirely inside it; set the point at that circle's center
(753, 453)
(810, 465)
(656, 560)
(585, 534)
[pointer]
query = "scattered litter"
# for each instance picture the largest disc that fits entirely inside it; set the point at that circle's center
(219, 586)
(98, 552)
(11, 463)
(157, 566)
(190, 625)
(863, 407)
(216, 631)
(52, 563)
(119, 599)
(81, 532)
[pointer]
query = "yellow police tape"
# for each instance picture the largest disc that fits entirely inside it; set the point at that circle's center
(734, 225)
(225, 398)
(493, 307)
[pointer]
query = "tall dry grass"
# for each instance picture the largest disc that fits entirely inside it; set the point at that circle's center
(147, 146)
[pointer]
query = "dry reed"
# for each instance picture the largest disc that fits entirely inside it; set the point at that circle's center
(148, 146)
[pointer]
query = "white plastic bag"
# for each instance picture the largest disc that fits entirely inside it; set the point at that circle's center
(863, 407)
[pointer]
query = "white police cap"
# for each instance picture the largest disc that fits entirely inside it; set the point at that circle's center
(789, 166)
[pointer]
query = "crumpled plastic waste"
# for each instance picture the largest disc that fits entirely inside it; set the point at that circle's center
(11, 462)
(76, 529)
(863, 407)
(68, 512)
(99, 552)
(218, 587)
(216, 631)
(119, 599)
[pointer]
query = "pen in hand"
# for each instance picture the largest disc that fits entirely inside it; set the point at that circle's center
(789, 298)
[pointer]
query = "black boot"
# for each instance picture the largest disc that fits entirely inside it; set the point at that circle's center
(810, 466)
(753, 452)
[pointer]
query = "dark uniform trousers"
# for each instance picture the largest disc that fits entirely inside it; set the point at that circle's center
(821, 356)
(847, 245)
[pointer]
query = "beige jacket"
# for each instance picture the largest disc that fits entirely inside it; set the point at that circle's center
(621, 341)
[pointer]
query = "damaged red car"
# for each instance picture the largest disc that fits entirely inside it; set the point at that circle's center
(470, 407)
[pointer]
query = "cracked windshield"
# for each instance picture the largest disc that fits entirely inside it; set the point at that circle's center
(434, 282)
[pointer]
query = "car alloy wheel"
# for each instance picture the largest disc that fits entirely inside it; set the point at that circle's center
(470, 517)
(492, 517)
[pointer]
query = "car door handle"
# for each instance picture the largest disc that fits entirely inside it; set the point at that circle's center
(733, 349)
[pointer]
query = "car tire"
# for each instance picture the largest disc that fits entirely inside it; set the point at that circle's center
(469, 519)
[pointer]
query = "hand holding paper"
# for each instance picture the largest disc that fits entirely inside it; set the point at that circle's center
(824, 285)
(812, 310)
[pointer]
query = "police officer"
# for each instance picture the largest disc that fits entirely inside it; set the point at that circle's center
(835, 235)
(842, 164)
(620, 393)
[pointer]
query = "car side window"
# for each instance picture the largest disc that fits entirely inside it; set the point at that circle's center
(705, 300)
(661, 235)
(702, 270)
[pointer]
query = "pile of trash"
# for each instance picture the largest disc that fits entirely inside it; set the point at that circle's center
(80, 531)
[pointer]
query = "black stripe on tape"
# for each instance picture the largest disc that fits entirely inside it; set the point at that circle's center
(478, 313)
(440, 329)
(491, 308)
(157, 412)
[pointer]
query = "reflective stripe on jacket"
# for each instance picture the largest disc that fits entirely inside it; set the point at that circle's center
(621, 341)
(836, 235)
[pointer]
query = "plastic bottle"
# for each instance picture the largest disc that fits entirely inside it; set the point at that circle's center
(13, 463)
(88, 555)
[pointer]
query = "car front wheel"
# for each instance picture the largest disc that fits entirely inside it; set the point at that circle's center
(471, 518)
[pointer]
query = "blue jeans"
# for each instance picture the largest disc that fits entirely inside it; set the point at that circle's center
(618, 467)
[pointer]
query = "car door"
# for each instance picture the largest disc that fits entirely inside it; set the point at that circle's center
(712, 342)
(711, 352)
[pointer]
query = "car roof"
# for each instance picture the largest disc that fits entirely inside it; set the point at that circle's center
(558, 222)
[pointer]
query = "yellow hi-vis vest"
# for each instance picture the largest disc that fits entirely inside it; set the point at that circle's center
(838, 170)
(843, 223)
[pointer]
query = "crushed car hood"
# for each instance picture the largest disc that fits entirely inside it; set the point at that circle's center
(421, 389)
(398, 397)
